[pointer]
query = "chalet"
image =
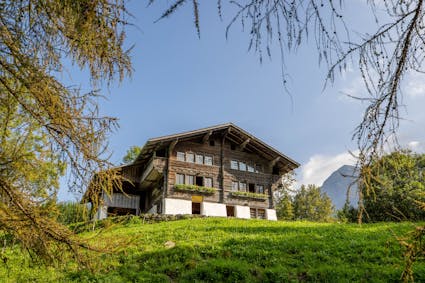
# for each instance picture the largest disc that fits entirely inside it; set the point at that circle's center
(215, 171)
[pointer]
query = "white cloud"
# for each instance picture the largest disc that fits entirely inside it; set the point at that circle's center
(413, 144)
(416, 146)
(319, 167)
(415, 85)
(353, 87)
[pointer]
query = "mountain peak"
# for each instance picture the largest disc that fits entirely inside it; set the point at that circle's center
(338, 183)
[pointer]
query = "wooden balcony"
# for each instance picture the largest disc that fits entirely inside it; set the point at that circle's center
(153, 172)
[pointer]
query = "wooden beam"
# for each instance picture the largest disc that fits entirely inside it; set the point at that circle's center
(206, 137)
(244, 143)
(274, 161)
(172, 145)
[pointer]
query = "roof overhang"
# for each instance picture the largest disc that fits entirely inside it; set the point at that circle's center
(233, 133)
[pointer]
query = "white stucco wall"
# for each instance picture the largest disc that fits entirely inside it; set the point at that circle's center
(271, 214)
(177, 206)
(213, 209)
(242, 212)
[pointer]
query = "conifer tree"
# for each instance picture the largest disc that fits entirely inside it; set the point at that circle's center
(44, 123)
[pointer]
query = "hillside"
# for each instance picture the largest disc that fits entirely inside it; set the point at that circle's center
(231, 250)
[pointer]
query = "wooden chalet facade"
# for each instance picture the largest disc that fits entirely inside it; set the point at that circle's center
(215, 171)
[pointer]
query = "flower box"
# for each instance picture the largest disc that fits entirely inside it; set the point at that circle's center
(194, 189)
(248, 195)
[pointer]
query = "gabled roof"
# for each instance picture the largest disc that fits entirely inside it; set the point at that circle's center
(233, 133)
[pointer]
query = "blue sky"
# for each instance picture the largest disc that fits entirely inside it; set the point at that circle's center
(181, 82)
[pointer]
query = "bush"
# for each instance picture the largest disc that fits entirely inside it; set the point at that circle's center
(72, 212)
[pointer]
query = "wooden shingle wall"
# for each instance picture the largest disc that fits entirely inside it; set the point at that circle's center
(265, 177)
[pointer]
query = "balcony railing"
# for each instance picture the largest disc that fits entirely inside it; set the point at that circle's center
(155, 163)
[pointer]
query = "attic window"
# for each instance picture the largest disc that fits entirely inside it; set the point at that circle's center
(275, 170)
(232, 146)
(199, 159)
(208, 160)
(242, 166)
(234, 164)
(190, 157)
(180, 156)
(212, 143)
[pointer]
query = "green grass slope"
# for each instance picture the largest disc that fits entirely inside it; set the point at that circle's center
(232, 250)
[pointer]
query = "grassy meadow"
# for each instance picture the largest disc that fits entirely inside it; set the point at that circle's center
(231, 250)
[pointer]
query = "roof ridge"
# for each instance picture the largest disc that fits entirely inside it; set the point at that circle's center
(224, 125)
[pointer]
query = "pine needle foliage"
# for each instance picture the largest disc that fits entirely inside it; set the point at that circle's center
(45, 124)
(398, 188)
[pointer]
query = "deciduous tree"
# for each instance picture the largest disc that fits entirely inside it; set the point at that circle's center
(311, 204)
(284, 207)
(131, 154)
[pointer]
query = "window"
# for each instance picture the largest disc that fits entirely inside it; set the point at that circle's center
(212, 143)
(235, 186)
(257, 213)
(179, 179)
(189, 180)
(258, 168)
(253, 213)
(195, 158)
(180, 156)
(232, 147)
(250, 168)
(234, 165)
(199, 159)
(208, 182)
(208, 160)
(190, 157)
(260, 189)
(199, 180)
(251, 188)
(242, 166)
(242, 187)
